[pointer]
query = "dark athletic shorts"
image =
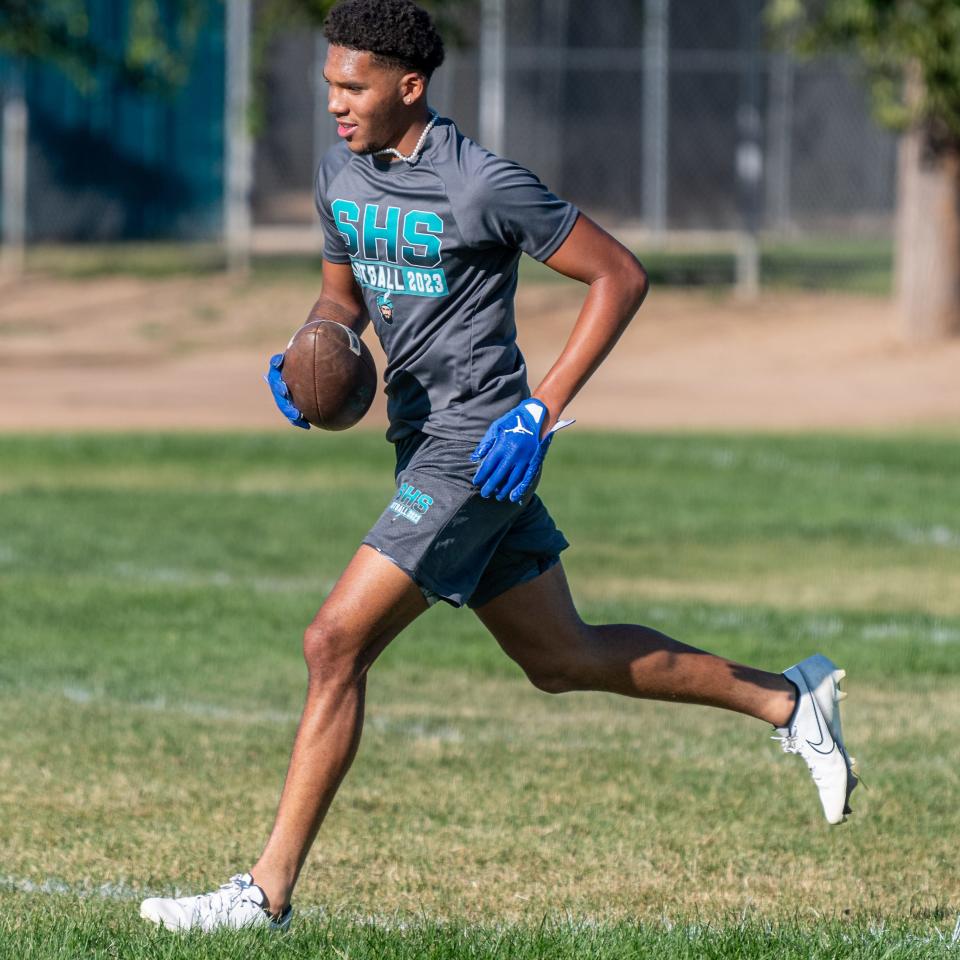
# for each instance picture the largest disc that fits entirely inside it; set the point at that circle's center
(456, 545)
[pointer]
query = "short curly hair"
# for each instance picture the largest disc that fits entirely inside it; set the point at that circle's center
(397, 32)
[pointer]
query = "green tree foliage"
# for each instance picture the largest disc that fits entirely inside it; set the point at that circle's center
(894, 39)
(160, 41)
(160, 36)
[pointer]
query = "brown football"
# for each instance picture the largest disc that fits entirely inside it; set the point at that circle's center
(330, 374)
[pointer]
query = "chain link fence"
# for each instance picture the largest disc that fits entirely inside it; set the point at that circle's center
(671, 120)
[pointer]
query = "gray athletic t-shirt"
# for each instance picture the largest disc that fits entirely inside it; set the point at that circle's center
(435, 246)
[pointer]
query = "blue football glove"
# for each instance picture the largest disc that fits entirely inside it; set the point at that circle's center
(281, 393)
(512, 452)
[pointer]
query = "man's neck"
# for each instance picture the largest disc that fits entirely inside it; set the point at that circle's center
(412, 136)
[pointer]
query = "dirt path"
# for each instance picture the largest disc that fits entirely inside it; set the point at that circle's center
(188, 353)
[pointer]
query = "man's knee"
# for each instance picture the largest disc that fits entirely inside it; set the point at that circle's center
(549, 679)
(561, 666)
(330, 652)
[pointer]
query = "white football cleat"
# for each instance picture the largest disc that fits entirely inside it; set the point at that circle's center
(236, 905)
(814, 732)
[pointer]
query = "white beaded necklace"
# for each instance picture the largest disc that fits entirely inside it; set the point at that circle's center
(414, 154)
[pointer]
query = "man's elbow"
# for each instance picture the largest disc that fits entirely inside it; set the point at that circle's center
(635, 279)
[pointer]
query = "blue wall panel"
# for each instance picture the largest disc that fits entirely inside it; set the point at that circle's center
(116, 163)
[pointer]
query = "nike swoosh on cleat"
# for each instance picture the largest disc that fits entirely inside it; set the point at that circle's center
(816, 746)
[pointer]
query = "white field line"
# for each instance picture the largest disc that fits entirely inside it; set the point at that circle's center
(936, 536)
(122, 891)
(815, 626)
(726, 458)
(426, 727)
(192, 708)
(421, 728)
(178, 577)
(52, 886)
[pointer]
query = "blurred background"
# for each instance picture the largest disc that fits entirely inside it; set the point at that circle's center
(655, 116)
(742, 150)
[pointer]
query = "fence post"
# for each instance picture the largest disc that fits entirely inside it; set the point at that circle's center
(239, 151)
(656, 65)
(749, 156)
(779, 142)
(493, 74)
(15, 119)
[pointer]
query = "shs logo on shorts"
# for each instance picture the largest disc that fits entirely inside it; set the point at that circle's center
(411, 503)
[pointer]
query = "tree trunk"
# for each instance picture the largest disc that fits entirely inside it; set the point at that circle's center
(928, 237)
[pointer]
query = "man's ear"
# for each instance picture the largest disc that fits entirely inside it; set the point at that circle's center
(413, 86)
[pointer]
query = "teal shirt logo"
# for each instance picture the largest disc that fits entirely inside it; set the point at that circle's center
(410, 503)
(390, 253)
(385, 306)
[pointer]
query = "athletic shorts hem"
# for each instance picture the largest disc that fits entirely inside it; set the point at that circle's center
(432, 591)
(538, 567)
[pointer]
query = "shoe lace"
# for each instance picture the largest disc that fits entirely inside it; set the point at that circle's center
(790, 742)
(222, 901)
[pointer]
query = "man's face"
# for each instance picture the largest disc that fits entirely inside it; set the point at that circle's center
(366, 98)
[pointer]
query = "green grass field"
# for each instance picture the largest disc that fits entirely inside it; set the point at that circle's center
(154, 591)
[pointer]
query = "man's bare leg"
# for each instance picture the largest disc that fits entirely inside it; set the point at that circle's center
(537, 625)
(370, 604)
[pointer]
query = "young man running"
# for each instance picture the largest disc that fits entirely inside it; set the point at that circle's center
(423, 232)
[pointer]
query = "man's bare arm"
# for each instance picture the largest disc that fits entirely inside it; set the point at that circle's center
(340, 298)
(618, 283)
